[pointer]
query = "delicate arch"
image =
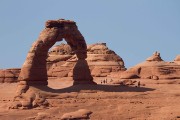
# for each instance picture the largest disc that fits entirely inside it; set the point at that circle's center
(34, 70)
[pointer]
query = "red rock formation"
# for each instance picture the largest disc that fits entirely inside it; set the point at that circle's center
(57, 65)
(34, 70)
(177, 59)
(153, 68)
(81, 114)
(9, 75)
(101, 60)
(155, 57)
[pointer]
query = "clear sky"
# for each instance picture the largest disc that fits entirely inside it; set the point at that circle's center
(134, 29)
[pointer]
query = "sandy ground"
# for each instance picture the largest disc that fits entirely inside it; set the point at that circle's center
(157, 100)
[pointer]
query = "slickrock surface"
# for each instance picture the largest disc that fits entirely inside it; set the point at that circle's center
(157, 100)
(77, 115)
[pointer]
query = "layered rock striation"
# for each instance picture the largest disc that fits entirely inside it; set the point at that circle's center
(154, 68)
(62, 59)
(101, 60)
(9, 75)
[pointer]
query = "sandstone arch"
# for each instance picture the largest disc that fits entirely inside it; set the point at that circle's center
(34, 73)
(34, 69)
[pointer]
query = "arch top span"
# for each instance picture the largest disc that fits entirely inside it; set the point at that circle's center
(68, 30)
(59, 23)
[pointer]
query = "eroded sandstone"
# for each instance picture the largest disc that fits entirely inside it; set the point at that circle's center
(153, 68)
(9, 75)
(33, 73)
(101, 60)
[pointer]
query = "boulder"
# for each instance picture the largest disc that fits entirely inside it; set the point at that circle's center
(154, 77)
(124, 82)
(131, 73)
(77, 115)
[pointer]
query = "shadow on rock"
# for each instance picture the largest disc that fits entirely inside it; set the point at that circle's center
(105, 88)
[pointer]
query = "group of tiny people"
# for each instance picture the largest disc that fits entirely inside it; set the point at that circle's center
(105, 81)
(139, 83)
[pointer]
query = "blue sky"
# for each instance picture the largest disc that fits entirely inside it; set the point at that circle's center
(134, 29)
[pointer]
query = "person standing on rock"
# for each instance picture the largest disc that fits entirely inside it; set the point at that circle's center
(104, 81)
(139, 83)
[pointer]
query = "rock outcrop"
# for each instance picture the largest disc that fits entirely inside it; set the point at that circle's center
(155, 57)
(9, 75)
(153, 68)
(177, 59)
(57, 65)
(34, 70)
(81, 114)
(101, 60)
(61, 60)
(125, 82)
